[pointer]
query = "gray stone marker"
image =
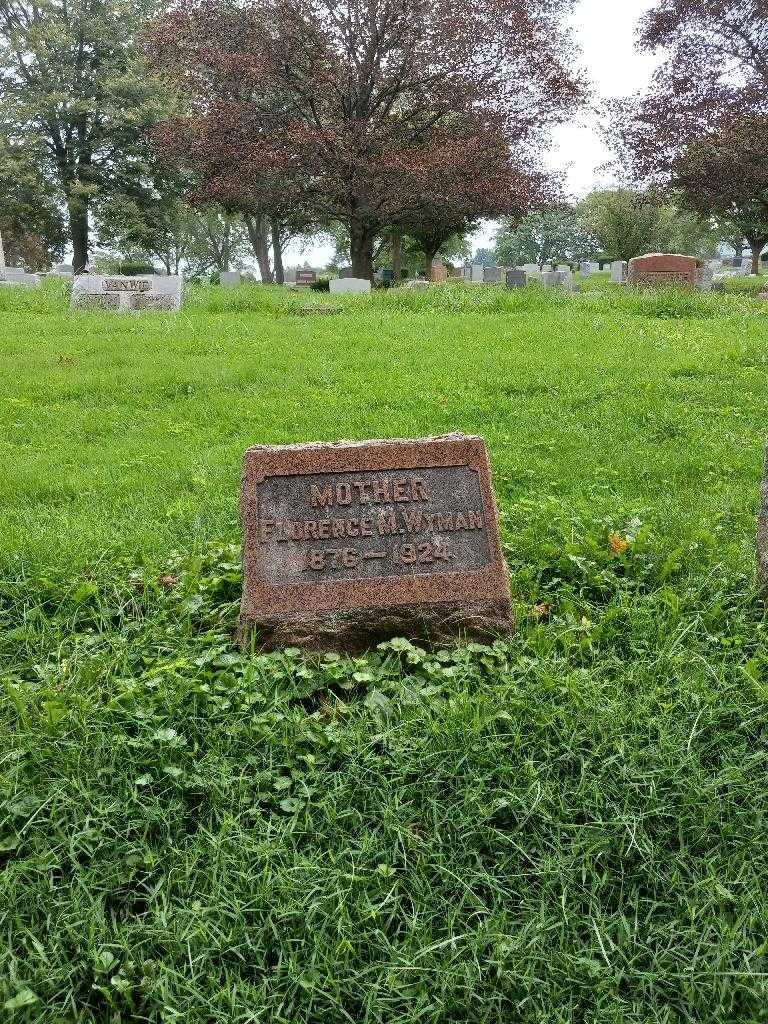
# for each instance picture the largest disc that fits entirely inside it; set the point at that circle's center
(705, 278)
(14, 277)
(150, 292)
(477, 273)
(556, 279)
(589, 267)
(356, 285)
(516, 279)
(229, 278)
(618, 272)
(492, 275)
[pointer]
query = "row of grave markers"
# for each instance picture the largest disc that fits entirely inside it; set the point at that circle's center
(164, 293)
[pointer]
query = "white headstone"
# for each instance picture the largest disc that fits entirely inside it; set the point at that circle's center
(127, 294)
(357, 285)
(477, 272)
(618, 272)
(229, 278)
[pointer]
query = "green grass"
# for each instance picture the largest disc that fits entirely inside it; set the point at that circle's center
(568, 826)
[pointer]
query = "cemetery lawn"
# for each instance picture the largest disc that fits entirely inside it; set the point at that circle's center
(567, 826)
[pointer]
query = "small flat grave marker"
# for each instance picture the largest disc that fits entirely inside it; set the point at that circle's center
(347, 544)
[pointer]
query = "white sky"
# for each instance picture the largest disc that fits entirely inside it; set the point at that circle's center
(605, 32)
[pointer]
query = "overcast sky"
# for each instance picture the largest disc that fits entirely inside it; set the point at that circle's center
(605, 32)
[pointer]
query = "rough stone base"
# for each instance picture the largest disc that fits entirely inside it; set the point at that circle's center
(354, 630)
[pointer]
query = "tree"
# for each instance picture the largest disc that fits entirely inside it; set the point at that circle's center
(73, 88)
(359, 125)
(554, 235)
(715, 69)
(737, 199)
(30, 222)
(629, 222)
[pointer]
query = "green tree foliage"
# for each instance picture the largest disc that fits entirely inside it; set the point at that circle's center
(629, 222)
(74, 89)
(724, 175)
(552, 235)
(165, 229)
(30, 221)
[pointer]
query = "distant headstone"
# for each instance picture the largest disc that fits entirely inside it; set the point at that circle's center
(229, 278)
(547, 268)
(492, 275)
(15, 276)
(345, 272)
(516, 279)
(563, 268)
(530, 268)
(705, 278)
(63, 270)
(418, 284)
(305, 277)
(557, 279)
(347, 544)
(357, 285)
(588, 267)
(151, 292)
(660, 270)
(289, 276)
(477, 273)
(618, 272)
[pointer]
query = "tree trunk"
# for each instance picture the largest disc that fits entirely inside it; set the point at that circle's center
(361, 250)
(78, 229)
(257, 232)
(430, 254)
(277, 253)
(757, 248)
(396, 241)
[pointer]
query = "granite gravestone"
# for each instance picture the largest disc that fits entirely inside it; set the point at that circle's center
(618, 272)
(359, 285)
(516, 279)
(304, 278)
(347, 544)
(660, 270)
(151, 292)
(705, 278)
(477, 273)
(492, 275)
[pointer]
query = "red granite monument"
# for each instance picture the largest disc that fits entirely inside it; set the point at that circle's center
(347, 544)
(662, 270)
